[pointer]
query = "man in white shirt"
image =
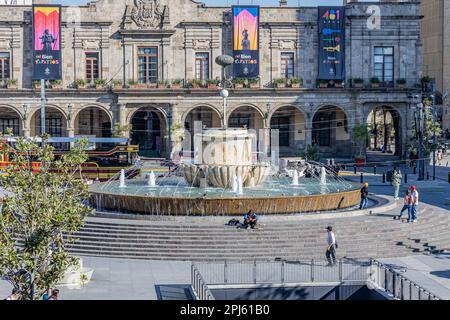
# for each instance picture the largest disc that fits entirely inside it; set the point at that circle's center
(331, 248)
(415, 204)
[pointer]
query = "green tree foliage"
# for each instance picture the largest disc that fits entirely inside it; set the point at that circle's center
(312, 153)
(360, 135)
(39, 212)
(429, 130)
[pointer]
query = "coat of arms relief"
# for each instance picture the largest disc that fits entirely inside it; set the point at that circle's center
(147, 13)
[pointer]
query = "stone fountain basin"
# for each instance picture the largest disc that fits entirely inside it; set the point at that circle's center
(223, 206)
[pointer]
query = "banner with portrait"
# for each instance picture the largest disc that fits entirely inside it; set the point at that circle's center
(246, 41)
(331, 43)
(47, 42)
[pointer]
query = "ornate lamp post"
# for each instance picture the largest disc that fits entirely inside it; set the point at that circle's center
(224, 61)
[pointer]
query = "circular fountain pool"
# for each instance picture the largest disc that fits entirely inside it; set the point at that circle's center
(174, 196)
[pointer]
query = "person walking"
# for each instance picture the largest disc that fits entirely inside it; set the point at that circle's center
(415, 204)
(364, 196)
(396, 182)
(331, 246)
(407, 206)
(14, 295)
(54, 296)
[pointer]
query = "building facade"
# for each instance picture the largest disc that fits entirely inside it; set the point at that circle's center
(436, 41)
(146, 48)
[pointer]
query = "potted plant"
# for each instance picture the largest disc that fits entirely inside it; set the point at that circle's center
(358, 83)
(280, 83)
(37, 84)
(323, 84)
(162, 84)
(56, 84)
(253, 83)
(339, 84)
(195, 83)
(132, 84)
(296, 82)
(401, 83)
(239, 83)
(117, 84)
(151, 85)
(212, 84)
(375, 82)
(360, 135)
(100, 84)
(176, 83)
(119, 131)
(426, 79)
(80, 83)
(12, 84)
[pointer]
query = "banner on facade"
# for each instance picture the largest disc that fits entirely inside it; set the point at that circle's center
(331, 43)
(246, 41)
(47, 42)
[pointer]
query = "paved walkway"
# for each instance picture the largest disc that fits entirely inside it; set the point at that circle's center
(121, 279)
(430, 272)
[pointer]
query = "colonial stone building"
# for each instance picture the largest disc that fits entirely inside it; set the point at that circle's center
(141, 43)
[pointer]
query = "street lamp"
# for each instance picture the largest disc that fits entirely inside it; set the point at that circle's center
(70, 110)
(433, 98)
(26, 108)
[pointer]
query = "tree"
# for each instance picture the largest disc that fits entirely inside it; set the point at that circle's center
(428, 145)
(41, 210)
(360, 135)
(312, 153)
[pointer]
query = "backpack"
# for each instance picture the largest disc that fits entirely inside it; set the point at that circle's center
(233, 222)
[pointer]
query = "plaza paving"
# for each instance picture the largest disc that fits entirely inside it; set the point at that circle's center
(140, 279)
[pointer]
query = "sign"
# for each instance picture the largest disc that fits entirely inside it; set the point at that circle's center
(47, 42)
(16, 2)
(331, 43)
(245, 41)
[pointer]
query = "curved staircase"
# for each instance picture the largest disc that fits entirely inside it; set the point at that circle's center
(361, 237)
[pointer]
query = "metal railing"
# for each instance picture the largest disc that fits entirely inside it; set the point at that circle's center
(397, 285)
(262, 272)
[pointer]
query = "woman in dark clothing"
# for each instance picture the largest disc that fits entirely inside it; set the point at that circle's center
(364, 196)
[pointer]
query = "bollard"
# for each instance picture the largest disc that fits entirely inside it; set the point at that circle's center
(374, 170)
(414, 170)
(406, 178)
(354, 169)
(428, 176)
(384, 177)
(362, 178)
(449, 177)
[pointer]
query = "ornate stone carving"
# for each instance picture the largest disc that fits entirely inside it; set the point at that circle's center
(201, 44)
(5, 44)
(287, 44)
(91, 44)
(147, 13)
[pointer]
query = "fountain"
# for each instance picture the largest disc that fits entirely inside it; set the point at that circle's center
(213, 182)
(122, 179)
(323, 176)
(295, 179)
(151, 182)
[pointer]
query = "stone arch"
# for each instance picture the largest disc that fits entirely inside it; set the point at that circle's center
(161, 110)
(94, 120)
(149, 130)
(291, 125)
(11, 118)
(331, 130)
(56, 118)
(386, 128)
(200, 105)
(246, 105)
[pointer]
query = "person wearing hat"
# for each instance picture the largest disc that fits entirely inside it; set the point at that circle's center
(364, 196)
(415, 204)
(331, 248)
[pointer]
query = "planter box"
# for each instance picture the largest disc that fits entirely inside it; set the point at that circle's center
(254, 86)
(296, 85)
(117, 87)
(280, 85)
(340, 85)
(37, 87)
(152, 85)
(239, 86)
(12, 86)
(375, 85)
(212, 86)
(162, 86)
(401, 86)
(323, 85)
(99, 87)
(358, 85)
(175, 86)
(56, 87)
(360, 162)
(196, 86)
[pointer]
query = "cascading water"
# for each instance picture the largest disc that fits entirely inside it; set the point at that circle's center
(235, 185)
(323, 176)
(151, 182)
(122, 183)
(240, 190)
(295, 180)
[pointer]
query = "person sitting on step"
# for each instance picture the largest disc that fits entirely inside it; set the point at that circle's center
(250, 220)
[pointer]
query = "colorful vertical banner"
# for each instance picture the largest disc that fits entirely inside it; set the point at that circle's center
(47, 42)
(331, 43)
(246, 41)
